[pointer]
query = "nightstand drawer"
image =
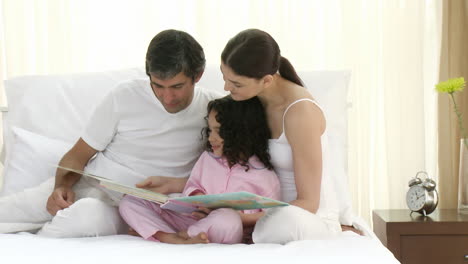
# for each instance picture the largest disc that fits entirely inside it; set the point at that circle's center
(434, 249)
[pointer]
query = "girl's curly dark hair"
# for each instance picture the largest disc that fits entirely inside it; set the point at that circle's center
(244, 130)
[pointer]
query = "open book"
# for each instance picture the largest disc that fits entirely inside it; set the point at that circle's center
(188, 204)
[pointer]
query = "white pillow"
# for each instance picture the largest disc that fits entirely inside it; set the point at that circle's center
(330, 89)
(58, 106)
(31, 160)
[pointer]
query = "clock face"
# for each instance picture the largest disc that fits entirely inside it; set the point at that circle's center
(416, 198)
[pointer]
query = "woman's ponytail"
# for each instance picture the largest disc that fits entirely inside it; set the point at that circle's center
(288, 72)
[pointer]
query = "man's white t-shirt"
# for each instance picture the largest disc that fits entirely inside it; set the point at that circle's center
(137, 138)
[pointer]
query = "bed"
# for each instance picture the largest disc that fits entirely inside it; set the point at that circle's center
(46, 115)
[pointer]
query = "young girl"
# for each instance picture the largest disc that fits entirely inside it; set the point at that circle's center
(236, 159)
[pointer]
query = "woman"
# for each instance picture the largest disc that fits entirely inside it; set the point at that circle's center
(252, 65)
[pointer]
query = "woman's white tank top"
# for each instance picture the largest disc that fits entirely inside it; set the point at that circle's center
(282, 160)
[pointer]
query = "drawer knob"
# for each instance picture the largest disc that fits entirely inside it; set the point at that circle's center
(466, 256)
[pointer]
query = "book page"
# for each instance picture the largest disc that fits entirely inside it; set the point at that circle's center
(83, 173)
(236, 200)
(134, 191)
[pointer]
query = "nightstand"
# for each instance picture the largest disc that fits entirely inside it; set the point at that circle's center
(441, 237)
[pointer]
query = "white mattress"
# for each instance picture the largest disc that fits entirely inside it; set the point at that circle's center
(348, 248)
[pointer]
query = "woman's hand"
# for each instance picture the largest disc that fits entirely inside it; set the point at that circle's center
(201, 213)
(250, 219)
(163, 185)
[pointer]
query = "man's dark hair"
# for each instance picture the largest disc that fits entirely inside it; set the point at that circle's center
(244, 129)
(171, 52)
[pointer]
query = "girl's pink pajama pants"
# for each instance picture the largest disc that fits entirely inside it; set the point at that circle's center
(221, 225)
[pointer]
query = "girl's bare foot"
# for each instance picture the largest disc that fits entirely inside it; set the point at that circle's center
(201, 238)
(132, 232)
(181, 238)
(183, 234)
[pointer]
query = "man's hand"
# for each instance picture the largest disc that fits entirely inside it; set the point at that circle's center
(163, 185)
(77, 157)
(61, 198)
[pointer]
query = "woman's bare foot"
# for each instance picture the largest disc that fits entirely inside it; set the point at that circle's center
(351, 228)
(181, 238)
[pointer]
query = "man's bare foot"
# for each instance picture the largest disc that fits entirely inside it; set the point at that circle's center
(181, 238)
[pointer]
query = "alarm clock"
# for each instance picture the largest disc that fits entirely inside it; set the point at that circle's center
(422, 196)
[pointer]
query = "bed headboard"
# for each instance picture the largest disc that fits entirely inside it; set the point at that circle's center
(57, 107)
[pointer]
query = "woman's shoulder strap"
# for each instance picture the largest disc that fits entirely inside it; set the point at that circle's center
(297, 101)
(300, 100)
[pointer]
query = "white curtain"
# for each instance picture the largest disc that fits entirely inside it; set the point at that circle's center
(391, 46)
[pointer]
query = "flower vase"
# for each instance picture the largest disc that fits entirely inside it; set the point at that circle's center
(463, 179)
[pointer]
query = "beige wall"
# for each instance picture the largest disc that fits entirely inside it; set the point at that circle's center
(454, 63)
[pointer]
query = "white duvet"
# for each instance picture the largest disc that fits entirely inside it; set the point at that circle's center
(348, 248)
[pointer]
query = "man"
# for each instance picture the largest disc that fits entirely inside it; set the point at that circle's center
(142, 128)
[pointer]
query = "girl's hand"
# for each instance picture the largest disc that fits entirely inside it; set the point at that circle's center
(201, 213)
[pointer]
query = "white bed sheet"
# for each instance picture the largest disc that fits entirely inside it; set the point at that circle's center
(348, 248)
